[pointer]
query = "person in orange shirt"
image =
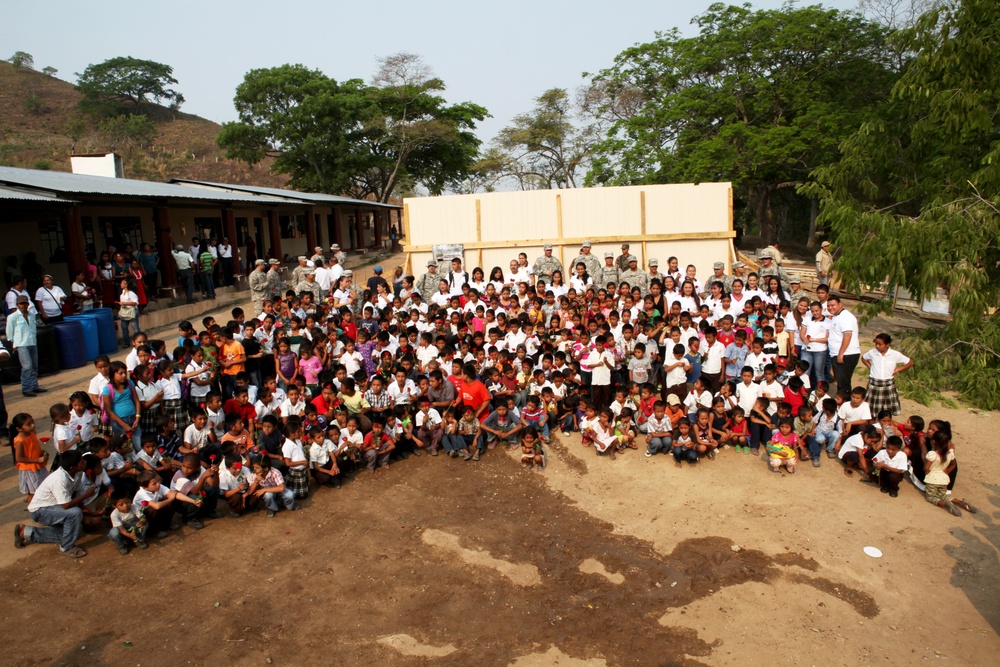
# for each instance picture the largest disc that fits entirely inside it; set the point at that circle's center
(232, 360)
(28, 455)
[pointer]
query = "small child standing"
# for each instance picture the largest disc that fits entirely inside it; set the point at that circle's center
(782, 446)
(29, 458)
(295, 459)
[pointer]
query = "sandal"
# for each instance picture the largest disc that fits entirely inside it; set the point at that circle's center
(75, 552)
(966, 505)
(19, 540)
(848, 472)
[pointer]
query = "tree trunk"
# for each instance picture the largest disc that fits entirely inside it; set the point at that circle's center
(813, 214)
(760, 200)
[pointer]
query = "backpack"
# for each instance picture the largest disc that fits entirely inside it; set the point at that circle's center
(105, 418)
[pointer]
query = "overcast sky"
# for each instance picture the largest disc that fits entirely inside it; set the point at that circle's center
(500, 55)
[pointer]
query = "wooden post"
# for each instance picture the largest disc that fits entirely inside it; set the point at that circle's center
(229, 231)
(377, 226)
(310, 231)
(336, 230)
(479, 231)
(164, 245)
(359, 229)
(406, 232)
(274, 229)
(642, 226)
(559, 233)
(76, 253)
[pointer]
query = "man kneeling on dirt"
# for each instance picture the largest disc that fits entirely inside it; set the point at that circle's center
(498, 426)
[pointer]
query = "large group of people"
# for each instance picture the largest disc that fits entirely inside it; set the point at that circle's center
(329, 379)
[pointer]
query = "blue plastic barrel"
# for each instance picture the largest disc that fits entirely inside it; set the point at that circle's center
(106, 336)
(91, 342)
(72, 349)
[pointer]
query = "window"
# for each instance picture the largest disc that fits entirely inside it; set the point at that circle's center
(89, 244)
(242, 231)
(121, 231)
(285, 224)
(208, 228)
(53, 241)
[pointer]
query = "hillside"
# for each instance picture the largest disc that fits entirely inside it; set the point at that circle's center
(36, 111)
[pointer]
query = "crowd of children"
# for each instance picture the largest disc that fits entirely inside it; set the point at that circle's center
(249, 414)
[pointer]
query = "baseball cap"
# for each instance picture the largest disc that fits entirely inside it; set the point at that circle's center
(673, 400)
(718, 265)
(794, 280)
(318, 249)
(23, 299)
(348, 273)
(548, 246)
(273, 261)
(609, 255)
(825, 244)
(585, 244)
(258, 262)
(302, 258)
(739, 265)
(180, 247)
(311, 264)
(767, 253)
(431, 262)
(378, 269)
(632, 258)
(653, 261)
(334, 246)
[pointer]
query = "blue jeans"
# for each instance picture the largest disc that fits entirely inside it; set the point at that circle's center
(543, 429)
(208, 285)
(826, 440)
(136, 433)
(817, 365)
(567, 423)
(682, 454)
(287, 499)
(58, 525)
(657, 445)
(29, 367)
(125, 326)
(120, 540)
(186, 277)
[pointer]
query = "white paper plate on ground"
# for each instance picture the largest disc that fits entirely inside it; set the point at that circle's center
(873, 552)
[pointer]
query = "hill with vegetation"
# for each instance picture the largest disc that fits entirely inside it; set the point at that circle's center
(41, 125)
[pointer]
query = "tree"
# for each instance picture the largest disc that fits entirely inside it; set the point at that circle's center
(49, 70)
(759, 98)
(544, 146)
(22, 59)
(127, 80)
(128, 133)
(352, 138)
(915, 199)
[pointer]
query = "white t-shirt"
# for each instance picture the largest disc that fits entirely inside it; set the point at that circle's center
(144, 494)
(433, 418)
(81, 288)
(289, 409)
(678, 375)
(899, 461)
(56, 489)
(196, 390)
(402, 395)
(50, 300)
(713, 354)
(855, 443)
(292, 451)
(883, 366)
(196, 438)
(773, 390)
(747, 395)
(816, 329)
(601, 375)
(849, 413)
(841, 324)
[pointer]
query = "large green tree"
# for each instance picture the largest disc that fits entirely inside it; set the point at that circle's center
(362, 140)
(127, 80)
(915, 199)
(759, 98)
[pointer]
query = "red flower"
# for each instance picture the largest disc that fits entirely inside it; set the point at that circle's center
(277, 411)
(204, 494)
(237, 466)
(202, 405)
(79, 427)
(44, 439)
(145, 503)
(162, 450)
(211, 457)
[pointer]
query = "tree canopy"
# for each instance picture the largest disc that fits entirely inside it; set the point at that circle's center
(915, 199)
(130, 81)
(22, 59)
(350, 137)
(759, 98)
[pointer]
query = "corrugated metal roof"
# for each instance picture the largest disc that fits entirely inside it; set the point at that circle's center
(21, 195)
(65, 183)
(311, 197)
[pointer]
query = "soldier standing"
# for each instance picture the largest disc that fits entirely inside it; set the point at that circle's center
(590, 261)
(609, 273)
(428, 283)
(339, 254)
(654, 269)
(738, 272)
(317, 255)
(546, 264)
(636, 277)
(769, 268)
(622, 261)
(258, 287)
(274, 279)
(299, 272)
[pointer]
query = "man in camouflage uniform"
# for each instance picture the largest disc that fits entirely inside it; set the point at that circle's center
(797, 291)
(274, 279)
(590, 261)
(636, 277)
(622, 261)
(317, 255)
(546, 265)
(718, 275)
(654, 269)
(258, 287)
(310, 285)
(609, 273)
(739, 271)
(769, 268)
(428, 284)
(356, 291)
(299, 272)
(339, 254)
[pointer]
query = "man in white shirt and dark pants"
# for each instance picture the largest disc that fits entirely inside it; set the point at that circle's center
(226, 256)
(843, 343)
(56, 509)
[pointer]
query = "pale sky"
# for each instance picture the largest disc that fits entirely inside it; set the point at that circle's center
(499, 55)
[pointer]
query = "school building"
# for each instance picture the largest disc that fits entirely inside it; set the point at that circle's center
(67, 218)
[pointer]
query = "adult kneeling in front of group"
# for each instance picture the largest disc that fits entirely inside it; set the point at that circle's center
(55, 507)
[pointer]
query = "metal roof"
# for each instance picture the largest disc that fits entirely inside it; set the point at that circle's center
(21, 195)
(65, 183)
(309, 197)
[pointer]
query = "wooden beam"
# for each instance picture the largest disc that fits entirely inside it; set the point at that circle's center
(164, 244)
(642, 226)
(76, 253)
(559, 233)
(310, 231)
(682, 236)
(479, 231)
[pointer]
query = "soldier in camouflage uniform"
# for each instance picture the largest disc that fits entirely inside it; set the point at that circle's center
(769, 268)
(299, 272)
(258, 287)
(274, 279)
(738, 272)
(609, 273)
(546, 265)
(622, 261)
(339, 254)
(590, 261)
(797, 291)
(310, 285)
(356, 291)
(317, 255)
(654, 269)
(428, 284)
(636, 277)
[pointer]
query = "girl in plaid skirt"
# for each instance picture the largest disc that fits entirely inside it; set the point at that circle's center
(297, 477)
(883, 364)
(170, 385)
(150, 398)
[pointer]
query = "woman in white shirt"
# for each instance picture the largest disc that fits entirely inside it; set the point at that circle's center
(49, 298)
(690, 303)
(128, 312)
(815, 333)
(478, 283)
(582, 279)
(81, 292)
(883, 364)
(774, 294)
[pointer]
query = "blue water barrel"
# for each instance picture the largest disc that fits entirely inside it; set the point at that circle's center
(72, 349)
(106, 336)
(48, 350)
(91, 342)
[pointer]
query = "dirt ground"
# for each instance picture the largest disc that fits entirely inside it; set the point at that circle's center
(591, 562)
